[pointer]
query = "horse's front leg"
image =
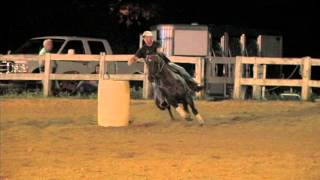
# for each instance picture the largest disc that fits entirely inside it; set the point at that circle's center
(171, 101)
(163, 95)
(170, 113)
(180, 110)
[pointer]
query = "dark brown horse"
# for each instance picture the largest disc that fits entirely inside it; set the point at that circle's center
(171, 88)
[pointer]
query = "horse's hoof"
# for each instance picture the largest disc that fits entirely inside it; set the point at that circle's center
(188, 119)
(201, 124)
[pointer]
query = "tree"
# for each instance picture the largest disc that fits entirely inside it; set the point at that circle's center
(128, 12)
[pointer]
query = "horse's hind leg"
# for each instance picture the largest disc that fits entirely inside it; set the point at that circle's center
(195, 111)
(186, 109)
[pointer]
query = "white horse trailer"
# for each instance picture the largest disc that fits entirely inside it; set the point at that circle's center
(182, 40)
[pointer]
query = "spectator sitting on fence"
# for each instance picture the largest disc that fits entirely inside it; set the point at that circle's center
(47, 48)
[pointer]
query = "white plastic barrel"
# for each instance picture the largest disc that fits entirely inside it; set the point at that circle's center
(113, 103)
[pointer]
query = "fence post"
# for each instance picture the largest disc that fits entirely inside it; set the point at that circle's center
(264, 76)
(146, 83)
(202, 75)
(237, 78)
(46, 76)
(243, 44)
(102, 68)
(256, 89)
(305, 92)
(199, 74)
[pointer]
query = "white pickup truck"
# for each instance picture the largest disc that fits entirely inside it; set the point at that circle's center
(61, 45)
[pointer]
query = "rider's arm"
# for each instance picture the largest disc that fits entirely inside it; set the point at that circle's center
(159, 47)
(159, 50)
(139, 54)
(132, 60)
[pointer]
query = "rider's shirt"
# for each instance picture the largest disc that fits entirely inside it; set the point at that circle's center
(148, 50)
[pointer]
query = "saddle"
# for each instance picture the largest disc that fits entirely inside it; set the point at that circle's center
(192, 86)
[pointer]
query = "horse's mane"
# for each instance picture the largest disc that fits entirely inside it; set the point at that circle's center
(164, 66)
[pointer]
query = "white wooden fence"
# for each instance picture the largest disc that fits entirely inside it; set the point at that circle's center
(259, 83)
(47, 76)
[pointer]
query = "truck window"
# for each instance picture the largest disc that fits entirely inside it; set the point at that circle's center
(76, 45)
(96, 47)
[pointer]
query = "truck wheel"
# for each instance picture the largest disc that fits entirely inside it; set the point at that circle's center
(71, 87)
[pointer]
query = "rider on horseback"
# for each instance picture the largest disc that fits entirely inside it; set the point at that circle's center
(154, 48)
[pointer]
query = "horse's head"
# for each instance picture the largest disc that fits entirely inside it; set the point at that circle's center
(155, 66)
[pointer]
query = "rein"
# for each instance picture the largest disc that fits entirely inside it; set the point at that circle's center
(160, 67)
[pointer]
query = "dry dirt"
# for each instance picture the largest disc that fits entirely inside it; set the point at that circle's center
(59, 139)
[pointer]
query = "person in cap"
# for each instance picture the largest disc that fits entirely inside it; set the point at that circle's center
(47, 47)
(152, 47)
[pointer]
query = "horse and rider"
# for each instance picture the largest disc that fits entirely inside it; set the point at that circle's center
(172, 84)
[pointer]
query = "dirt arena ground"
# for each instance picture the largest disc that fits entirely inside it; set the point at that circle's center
(59, 139)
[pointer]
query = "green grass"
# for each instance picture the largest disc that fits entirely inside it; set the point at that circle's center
(22, 94)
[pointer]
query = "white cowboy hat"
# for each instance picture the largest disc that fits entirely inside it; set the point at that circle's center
(147, 33)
